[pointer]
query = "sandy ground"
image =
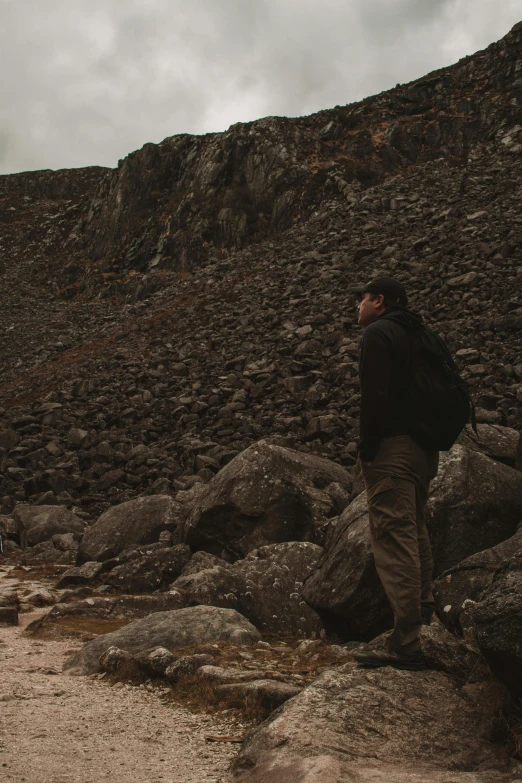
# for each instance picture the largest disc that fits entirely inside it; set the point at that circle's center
(55, 728)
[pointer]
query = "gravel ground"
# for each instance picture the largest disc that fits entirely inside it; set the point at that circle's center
(56, 728)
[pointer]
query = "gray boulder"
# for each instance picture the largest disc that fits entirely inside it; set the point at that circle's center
(352, 724)
(36, 524)
(458, 589)
(475, 503)
(139, 521)
(155, 662)
(176, 629)
(498, 443)
(150, 571)
(185, 666)
(132, 553)
(66, 542)
(498, 624)
(115, 661)
(46, 552)
(8, 528)
(273, 578)
(345, 589)
(265, 587)
(266, 495)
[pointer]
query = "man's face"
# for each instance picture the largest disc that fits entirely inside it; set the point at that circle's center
(370, 309)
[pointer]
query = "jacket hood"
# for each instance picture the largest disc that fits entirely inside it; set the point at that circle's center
(406, 318)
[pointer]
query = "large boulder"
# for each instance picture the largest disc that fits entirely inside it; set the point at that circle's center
(498, 624)
(36, 524)
(266, 495)
(498, 443)
(345, 590)
(139, 521)
(459, 588)
(150, 571)
(181, 628)
(273, 577)
(387, 725)
(265, 587)
(475, 503)
(481, 599)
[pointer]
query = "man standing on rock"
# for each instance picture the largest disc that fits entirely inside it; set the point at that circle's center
(396, 469)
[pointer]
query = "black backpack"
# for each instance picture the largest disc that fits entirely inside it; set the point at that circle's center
(437, 399)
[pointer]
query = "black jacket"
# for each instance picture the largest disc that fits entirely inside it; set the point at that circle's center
(385, 371)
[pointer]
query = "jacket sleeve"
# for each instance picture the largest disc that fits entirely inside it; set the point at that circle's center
(375, 370)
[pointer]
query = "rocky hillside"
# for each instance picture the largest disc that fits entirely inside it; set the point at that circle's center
(161, 317)
(175, 204)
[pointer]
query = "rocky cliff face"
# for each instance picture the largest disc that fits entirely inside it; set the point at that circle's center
(195, 299)
(173, 205)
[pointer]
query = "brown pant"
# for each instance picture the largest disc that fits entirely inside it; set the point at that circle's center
(397, 483)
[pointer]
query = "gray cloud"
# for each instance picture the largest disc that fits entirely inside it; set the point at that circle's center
(87, 81)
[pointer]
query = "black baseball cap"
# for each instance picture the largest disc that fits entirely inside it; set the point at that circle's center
(390, 288)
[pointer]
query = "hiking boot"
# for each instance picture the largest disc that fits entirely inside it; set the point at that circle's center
(374, 659)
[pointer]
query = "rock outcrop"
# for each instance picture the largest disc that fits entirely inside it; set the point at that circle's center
(498, 623)
(345, 589)
(265, 587)
(499, 443)
(36, 524)
(266, 495)
(151, 571)
(230, 189)
(173, 629)
(475, 503)
(458, 590)
(139, 521)
(388, 725)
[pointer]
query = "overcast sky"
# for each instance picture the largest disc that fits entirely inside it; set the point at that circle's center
(85, 82)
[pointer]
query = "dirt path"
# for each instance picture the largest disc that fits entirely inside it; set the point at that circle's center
(55, 728)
